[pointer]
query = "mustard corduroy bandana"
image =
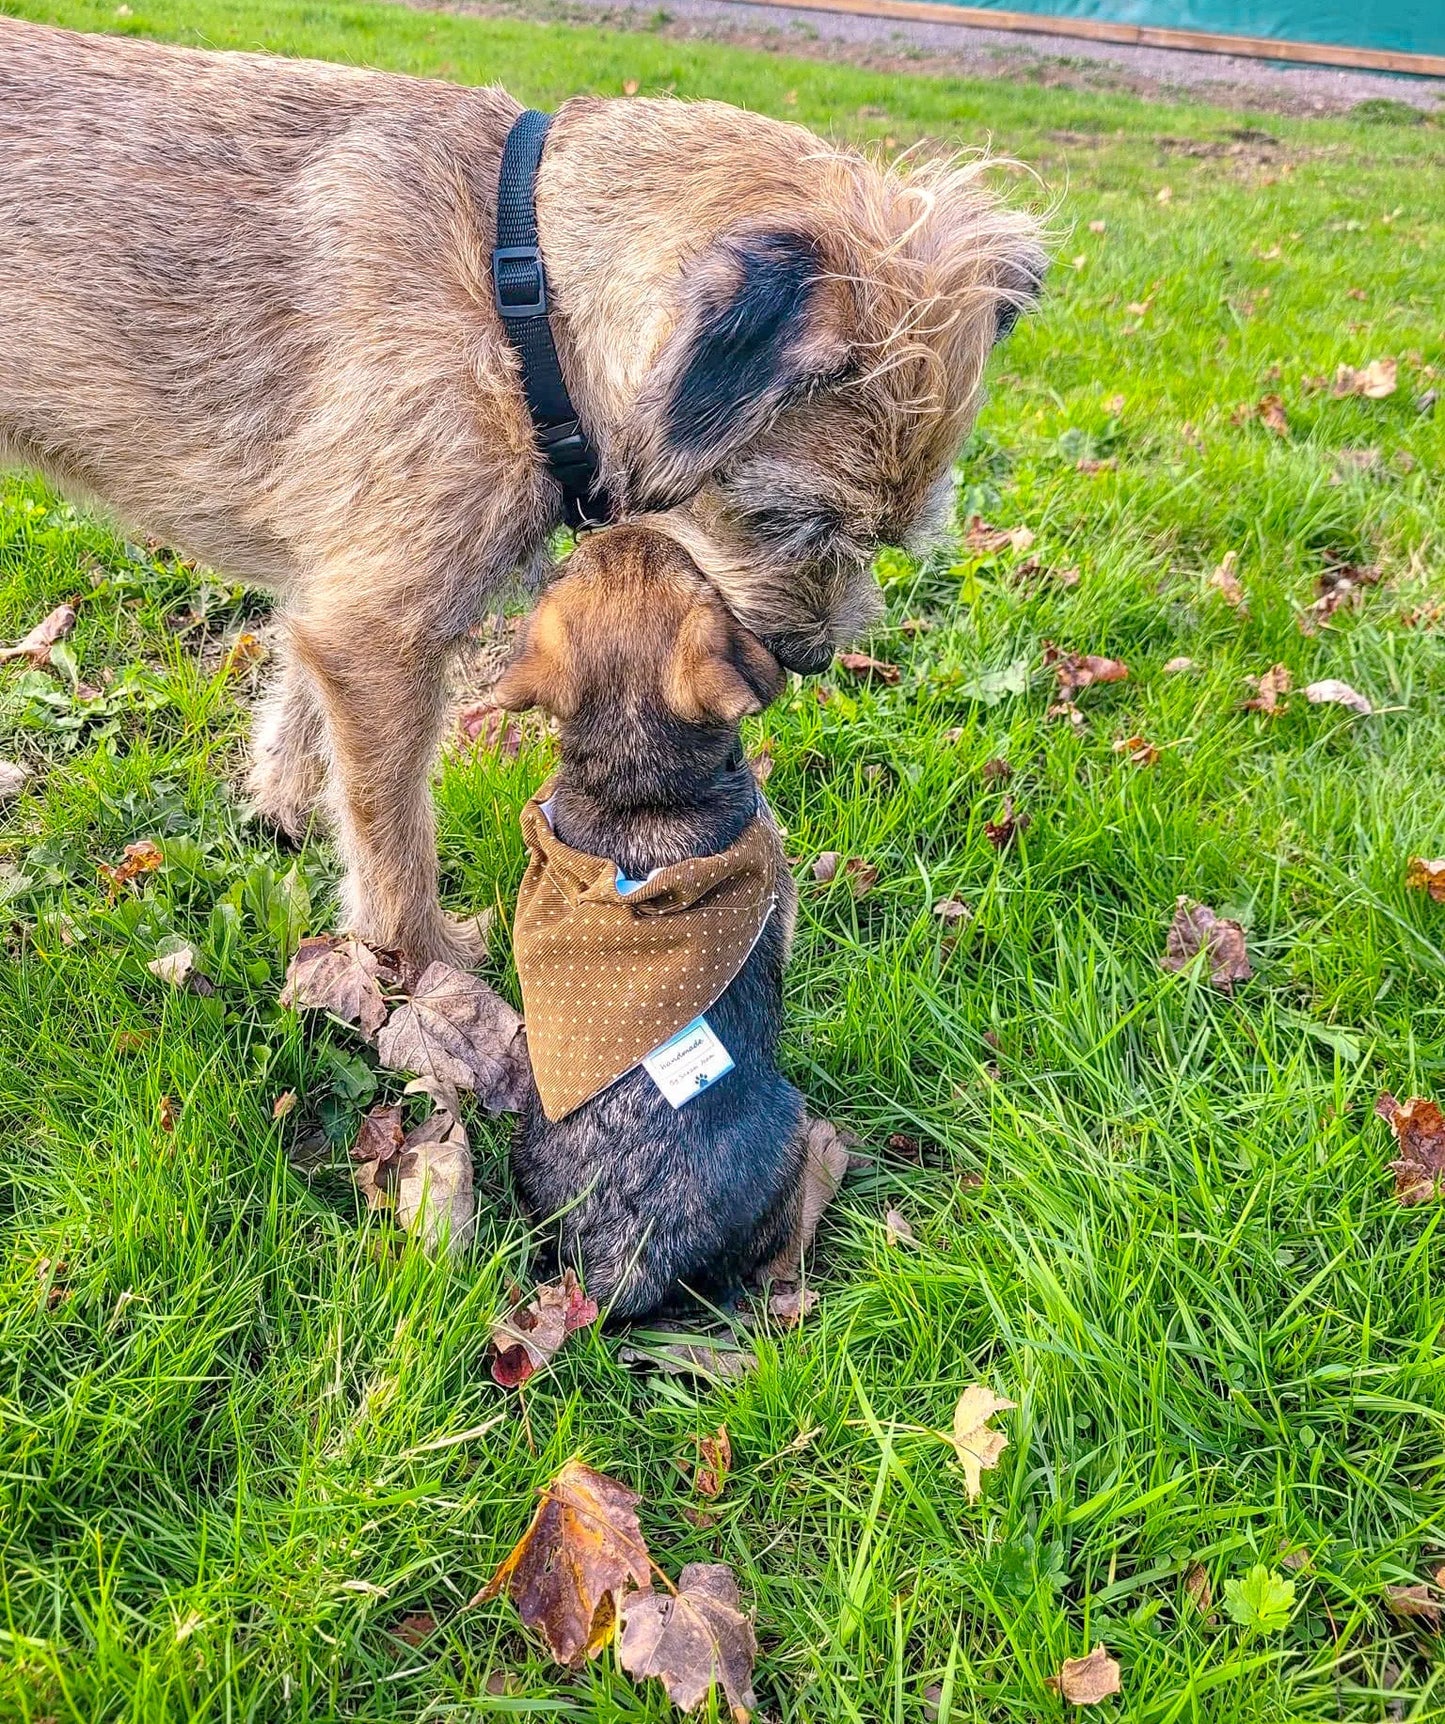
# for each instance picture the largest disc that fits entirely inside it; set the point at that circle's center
(607, 976)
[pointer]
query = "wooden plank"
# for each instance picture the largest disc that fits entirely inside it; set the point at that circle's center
(1130, 35)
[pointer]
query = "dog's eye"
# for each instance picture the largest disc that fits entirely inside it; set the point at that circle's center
(793, 525)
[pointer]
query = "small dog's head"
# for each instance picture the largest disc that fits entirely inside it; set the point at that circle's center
(645, 668)
(795, 395)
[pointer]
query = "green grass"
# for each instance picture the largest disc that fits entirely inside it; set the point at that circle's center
(255, 1430)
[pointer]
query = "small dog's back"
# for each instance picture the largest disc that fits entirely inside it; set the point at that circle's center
(649, 676)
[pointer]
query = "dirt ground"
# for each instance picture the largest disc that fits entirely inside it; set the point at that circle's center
(887, 45)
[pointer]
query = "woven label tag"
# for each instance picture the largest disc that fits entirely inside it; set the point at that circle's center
(687, 1064)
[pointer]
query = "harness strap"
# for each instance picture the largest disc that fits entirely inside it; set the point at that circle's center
(519, 286)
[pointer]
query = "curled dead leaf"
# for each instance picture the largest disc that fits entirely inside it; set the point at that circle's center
(1339, 585)
(1140, 752)
(825, 866)
(824, 1166)
(1196, 929)
(136, 859)
(1415, 1604)
(868, 669)
(862, 876)
(416, 1628)
(1010, 823)
(457, 1030)
(1177, 666)
(335, 973)
(177, 966)
(1076, 670)
(1374, 381)
(1272, 415)
(1225, 581)
(12, 779)
(583, 1550)
(976, 1444)
(375, 1152)
(1332, 692)
(1420, 1132)
(789, 1303)
(530, 1336)
(715, 1460)
(1424, 875)
(952, 910)
(1198, 1590)
(692, 1639)
(37, 644)
(1088, 1681)
(1270, 690)
(897, 1229)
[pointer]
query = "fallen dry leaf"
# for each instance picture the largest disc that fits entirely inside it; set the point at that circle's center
(868, 669)
(1198, 1590)
(1414, 1604)
(682, 1355)
(1424, 875)
(1195, 929)
(246, 650)
(951, 910)
(1420, 1131)
(825, 866)
(692, 1639)
(761, 764)
(1272, 415)
(433, 1193)
(335, 973)
(1002, 832)
(977, 1446)
(996, 771)
(1269, 691)
(862, 876)
(284, 1104)
(37, 644)
(376, 1151)
(530, 1336)
(1097, 226)
(1338, 585)
(12, 779)
(457, 1030)
(1332, 692)
(1177, 666)
(136, 859)
(1079, 670)
(789, 1303)
(1087, 1681)
(178, 967)
(715, 1460)
(583, 1550)
(825, 1164)
(897, 1229)
(416, 1628)
(1140, 753)
(1375, 380)
(1225, 581)
(629, 86)
(1164, 195)
(484, 726)
(166, 1114)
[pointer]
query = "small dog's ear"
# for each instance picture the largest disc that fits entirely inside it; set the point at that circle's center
(720, 673)
(760, 324)
(541, 673)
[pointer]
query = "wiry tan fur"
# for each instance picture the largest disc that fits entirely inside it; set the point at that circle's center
(248, 309)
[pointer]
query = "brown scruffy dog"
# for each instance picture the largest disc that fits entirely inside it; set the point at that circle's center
(650, 1200)
(248, 307)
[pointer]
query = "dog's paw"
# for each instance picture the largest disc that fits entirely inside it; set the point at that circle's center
(460, 941)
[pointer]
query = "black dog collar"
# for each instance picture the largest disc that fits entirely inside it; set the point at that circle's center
(519, 285)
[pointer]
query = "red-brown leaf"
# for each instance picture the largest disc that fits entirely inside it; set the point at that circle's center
(1420, 1132)
(530, 1336)
(868, 669)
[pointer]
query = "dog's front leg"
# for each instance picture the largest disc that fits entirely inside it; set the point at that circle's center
(289, 747)
(382, 689)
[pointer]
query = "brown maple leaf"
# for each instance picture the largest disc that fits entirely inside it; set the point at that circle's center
(1225, 582)
(1087, 1681)
(433, 1190)
(789, 1303)
(951, 910)
(1420, 1131)
(1374, 381)
(1140, 752)
(531, 1335)
(1076, 670)
(583, 1550)
(868, 669)
(1424, 875)
(376, 1150)
(458, 1031)
(715, 1460)
(1338, 585)
(1196, 929)
(37, 644)
(825, 865)
(862, 876)
(975, 1442)
(1002, 832)
(1270, 690)
(335, 973)
(416, 1628)
(136, 859)
(692, 1639)
(1272, 415)
(825, 1164)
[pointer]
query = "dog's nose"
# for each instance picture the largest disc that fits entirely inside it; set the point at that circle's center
(800, 653)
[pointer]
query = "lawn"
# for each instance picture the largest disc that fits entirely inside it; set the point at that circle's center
(246, 1431)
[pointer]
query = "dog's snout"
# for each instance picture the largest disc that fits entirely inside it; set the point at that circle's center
(805, 655)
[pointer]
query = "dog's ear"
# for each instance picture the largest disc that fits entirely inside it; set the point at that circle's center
(541, 674)
(720, 673)
(761, 323)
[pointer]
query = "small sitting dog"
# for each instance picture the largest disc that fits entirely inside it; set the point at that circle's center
(657, 900)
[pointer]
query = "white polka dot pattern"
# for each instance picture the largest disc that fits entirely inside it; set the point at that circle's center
(607, 978)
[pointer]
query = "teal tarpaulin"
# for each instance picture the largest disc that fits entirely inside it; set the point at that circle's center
(1408, 26)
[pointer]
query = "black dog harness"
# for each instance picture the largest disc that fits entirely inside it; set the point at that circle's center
(519, 285)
